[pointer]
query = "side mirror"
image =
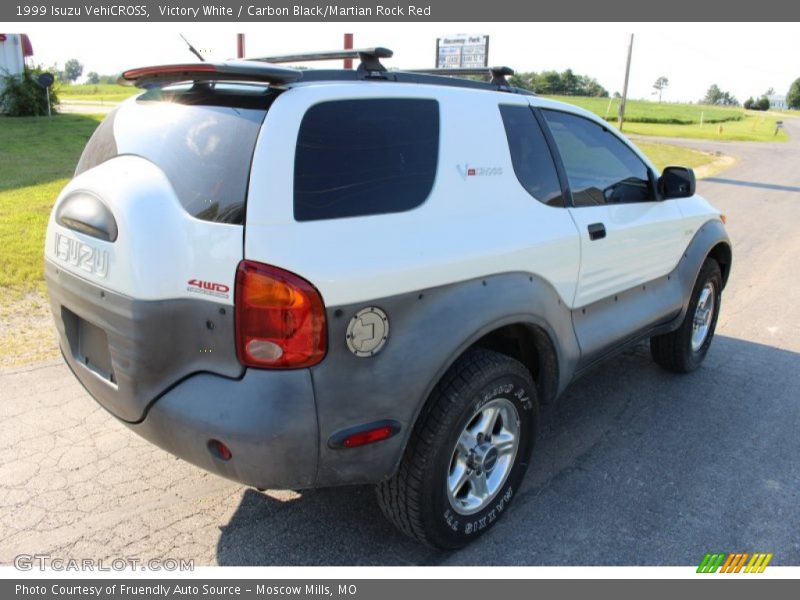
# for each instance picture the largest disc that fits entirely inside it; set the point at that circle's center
(677, 182)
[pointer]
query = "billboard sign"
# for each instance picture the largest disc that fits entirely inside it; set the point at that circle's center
(462, 51)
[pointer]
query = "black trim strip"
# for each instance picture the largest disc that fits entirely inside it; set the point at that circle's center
(566, 191)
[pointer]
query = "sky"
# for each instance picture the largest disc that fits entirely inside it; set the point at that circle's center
(743, 58)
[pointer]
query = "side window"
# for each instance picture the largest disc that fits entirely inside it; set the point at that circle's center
(601, 169)
(365, 157)
(530, 155)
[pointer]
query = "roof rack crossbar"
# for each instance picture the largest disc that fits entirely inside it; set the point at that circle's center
(497, 75)
(369, 57)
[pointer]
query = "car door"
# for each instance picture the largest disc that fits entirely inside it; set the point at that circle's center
(628, 236)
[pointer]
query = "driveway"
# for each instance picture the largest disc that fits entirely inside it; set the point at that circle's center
(634, 466)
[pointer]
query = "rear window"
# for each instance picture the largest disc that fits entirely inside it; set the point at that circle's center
(202, 139)
(365, 157)
(530, 155)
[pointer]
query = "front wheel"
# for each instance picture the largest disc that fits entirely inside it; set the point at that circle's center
(467, 454)
(684, 349)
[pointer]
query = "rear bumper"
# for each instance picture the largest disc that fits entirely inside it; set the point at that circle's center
(174, 380)
(267, 419)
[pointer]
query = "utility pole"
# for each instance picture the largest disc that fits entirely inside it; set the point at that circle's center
(625, 87)
(348, 45)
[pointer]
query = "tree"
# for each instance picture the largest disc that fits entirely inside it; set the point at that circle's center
(748, 104)
(22, 96)
(554, 83)
(661, 83)
(793, 97)
(72, 70)
(716, 96)
(762, 103)
(92, 78)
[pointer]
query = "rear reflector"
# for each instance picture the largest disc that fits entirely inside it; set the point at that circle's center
(368, 437)
(361, 435)
(280, 318)
(220, 450)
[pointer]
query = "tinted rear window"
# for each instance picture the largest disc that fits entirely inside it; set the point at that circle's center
(203, 141)
(365, 157)
(530, 155)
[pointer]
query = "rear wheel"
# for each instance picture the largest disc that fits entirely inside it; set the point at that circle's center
(684, 349)
(467, 454)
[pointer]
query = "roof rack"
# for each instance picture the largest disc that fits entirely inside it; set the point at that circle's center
(266, 70)
(369, 57)
(497, 75)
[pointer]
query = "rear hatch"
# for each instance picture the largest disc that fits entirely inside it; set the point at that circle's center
(143, 244)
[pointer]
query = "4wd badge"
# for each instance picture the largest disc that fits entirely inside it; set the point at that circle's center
(367, 332)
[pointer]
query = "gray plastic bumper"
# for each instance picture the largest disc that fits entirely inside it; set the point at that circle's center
(267, 419)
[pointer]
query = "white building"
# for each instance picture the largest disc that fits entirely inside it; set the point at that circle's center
(777, 101)
(14, 49)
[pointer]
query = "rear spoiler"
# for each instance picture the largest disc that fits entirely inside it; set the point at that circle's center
(233, 70)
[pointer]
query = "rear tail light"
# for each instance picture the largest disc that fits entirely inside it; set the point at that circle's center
(280, 318)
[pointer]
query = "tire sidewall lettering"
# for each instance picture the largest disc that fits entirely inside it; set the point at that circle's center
(507, 387)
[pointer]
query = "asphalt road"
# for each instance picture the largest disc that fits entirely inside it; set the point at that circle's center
(634, 466)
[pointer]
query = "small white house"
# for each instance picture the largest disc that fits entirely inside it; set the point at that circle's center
(777, 101)
(14, 49)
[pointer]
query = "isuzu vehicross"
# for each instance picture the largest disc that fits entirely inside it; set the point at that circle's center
(311, 278)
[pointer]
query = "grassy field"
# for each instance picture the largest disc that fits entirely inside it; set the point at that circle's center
(753, 128)
(102, 92)
(664, 155)
(683, 120)
(37, 157)
(652, 112)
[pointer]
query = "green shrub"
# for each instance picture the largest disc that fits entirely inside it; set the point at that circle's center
(22, 96)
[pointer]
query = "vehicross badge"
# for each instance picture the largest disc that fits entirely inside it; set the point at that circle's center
(467, 171)
(81, 254)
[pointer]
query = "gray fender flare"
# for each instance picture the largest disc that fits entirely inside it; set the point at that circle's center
(429, 330)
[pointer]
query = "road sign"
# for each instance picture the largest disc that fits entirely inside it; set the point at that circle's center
(46, 79)
(462, 51)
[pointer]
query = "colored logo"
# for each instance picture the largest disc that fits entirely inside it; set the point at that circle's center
(735, 562)
(467, 171)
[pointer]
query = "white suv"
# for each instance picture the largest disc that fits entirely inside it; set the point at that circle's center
(322, 277)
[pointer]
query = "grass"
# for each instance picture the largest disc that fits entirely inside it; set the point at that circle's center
(37, 158)
(664, 155)
(644, 111)
(753, 128)
(683, 120)
(101, 92)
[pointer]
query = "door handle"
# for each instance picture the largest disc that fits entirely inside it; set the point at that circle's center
(597, 231)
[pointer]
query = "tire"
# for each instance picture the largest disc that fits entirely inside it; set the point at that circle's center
(684, 349)
(436, 495)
